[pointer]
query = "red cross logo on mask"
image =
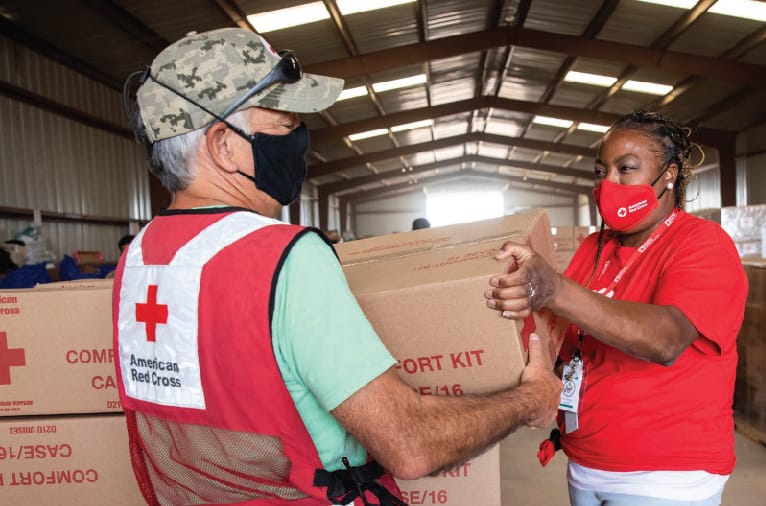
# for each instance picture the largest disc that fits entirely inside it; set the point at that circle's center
(8, 358)
(151, 313)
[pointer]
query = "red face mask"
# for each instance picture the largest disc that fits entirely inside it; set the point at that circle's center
(622, 207)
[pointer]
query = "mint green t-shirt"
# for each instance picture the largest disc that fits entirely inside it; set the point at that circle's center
(325, 348)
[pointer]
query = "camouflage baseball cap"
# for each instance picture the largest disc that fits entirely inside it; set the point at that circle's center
(214, 69)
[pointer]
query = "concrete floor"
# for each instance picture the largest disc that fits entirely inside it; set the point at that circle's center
(526, 483)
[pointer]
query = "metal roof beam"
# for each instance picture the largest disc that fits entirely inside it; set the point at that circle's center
(593, 29)
(420, 169)
(660, 43)
(518, 182)
(446, 47)
(232, 10)
(324, 169)
(129, 24)
(724, 104)
(322, 135)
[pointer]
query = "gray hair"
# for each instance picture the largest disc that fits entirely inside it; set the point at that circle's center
(172, 159)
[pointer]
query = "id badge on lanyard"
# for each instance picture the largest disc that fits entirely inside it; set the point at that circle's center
(569, 402)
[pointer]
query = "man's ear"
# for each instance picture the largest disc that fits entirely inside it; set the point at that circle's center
(219, 141)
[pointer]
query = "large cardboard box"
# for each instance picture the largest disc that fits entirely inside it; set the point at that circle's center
(581, 232)
(423, 292)
(56, 350)
(745, 225)
(708, 213)
(563, 238)
(750, 387)
(566, 240)
(73, 460)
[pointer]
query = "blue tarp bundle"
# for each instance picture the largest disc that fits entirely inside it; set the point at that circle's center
(69, 270)
(26, 276)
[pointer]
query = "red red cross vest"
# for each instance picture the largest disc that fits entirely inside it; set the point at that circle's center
(210, 420)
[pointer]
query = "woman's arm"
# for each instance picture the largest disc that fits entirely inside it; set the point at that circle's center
(650, 332)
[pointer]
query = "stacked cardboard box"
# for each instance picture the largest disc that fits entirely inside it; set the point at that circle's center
(746, 225)
(750, 390)
(62, 433)
(709, 213)
(66, 460)
(423, 293)
(566, 240)
(58, 344)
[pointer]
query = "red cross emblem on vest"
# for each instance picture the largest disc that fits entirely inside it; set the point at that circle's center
(151, 313)
(9, 357)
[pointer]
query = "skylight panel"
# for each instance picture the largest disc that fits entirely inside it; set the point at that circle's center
(353, 6)
(399, 83)
(554, 122)
(586, 78)
(272, 21)
(647, 87)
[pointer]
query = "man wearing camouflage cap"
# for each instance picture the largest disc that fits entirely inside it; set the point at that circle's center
(247, 371)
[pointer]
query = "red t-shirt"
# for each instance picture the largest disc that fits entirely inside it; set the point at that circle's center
(635, 415)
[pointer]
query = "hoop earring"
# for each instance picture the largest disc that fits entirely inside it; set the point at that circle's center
(694, 177)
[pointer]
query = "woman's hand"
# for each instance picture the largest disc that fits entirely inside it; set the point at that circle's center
(528, 284)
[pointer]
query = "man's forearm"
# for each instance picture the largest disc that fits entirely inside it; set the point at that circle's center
(457, 429)
(413, 436)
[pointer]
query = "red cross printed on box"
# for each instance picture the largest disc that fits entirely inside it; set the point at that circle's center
(151, 313)
(9, 357)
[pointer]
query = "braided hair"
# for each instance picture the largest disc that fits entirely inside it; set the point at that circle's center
(673, 142)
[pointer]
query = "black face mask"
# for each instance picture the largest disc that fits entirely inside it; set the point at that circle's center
(280, 163)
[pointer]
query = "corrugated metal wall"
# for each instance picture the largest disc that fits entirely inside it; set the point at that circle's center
(751, 166)
(52, 163)
(755, 169)
(704, 190)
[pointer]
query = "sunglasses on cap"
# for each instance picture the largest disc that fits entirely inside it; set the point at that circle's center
(287, 70)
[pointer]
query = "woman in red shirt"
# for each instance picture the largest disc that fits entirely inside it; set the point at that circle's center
(656, 301)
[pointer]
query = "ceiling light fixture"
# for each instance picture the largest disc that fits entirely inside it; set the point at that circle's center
(647, 87)
(357, 91)
(367, 134)
(681, 4)
(272, 21)
(413, 125)
(592, 127)
(554, 122)
(353, 6)
(748, 9)
(586, 78)
(399, 83)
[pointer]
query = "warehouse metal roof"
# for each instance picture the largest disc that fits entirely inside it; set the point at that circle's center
(490, 76)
